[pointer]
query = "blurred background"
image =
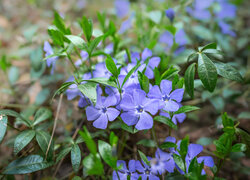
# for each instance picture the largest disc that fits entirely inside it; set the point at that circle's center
(26, 82)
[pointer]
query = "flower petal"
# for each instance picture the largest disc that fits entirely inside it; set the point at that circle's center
(171, 106)
(139, 96)
(130, 118)
(112, 113)
(194, 150)
(166, 87)
(101, 122)
(177, 95)
(151, 106)
(127, 103)
(155, 92)
(145, 121)
(208, 160)
(92, 113)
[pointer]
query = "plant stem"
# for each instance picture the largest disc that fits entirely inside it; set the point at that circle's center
(70, 59)
(154, 136)
(220, 163)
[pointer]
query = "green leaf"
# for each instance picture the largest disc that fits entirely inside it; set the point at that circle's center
(88, 140)
(4, 64)
(166, 121)
(77, 41)
(155, 16)
(229, 72)
(56, 36)
(226, 121)
(22, 140)
(146, 143)
(157, 76)
(110, 64)
(3, 126)
(185, 109)
(130, 73)
(92, 165)
(244, 115)
(58, 22)
(178, 160)
(167, 145)
(89, 89)
(87, 27)
(245, 138)
(212, 51)
(144, 158)
(184, 147)
(63, 153)
(145, 83)
(43, 138)
(75, 157)
(193, 165)
(103, 81)
(77, 178)
(105, 151)
(16, 115)
(113, 139)
(207, 72)
(169, 73)
(239, 147)
(41, 115)
(171, 29)
(95, 43)
(28, 164)
(63, 88)
(129, 129)
(189, 80)
(209, 46)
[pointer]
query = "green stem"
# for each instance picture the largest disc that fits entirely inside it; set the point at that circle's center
(123, 139)
(220, 163)
(154, 136)
(90, 65)
(70, 59)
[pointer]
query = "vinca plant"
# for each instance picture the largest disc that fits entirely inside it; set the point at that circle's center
(135, 77)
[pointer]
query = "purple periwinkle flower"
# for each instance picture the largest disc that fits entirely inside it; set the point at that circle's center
(84, 55)
(125, 172)
(122, 8)
(136, 109)
(170, 14)
(176, 117)
(168, 100)
(125, 26)
(193, 151)
(146, 172)
(102, 112)
(51, 62)
(226, 28)
(101, 71)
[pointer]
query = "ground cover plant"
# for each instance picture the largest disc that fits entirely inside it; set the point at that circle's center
(127, 90)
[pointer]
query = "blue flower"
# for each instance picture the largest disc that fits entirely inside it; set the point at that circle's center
(133, 79)
(125, 172)
(227, 10)
(84, 56)
(122, 8)
(170, 14)
(168, 100)
(101, 71)
(102, 112)
(226, 28)
(125, 26)
(136, 109)
(145, 171)
(51, 62)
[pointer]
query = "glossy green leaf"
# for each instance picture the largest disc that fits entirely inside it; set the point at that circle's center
(89, 90)
(105, 151)
(63, 153)
(145, 83)
(95, 43)
(22, 140)
(239, 147)
(185, 109)
(75, 157)
(178, 160)
(110, 64)
(209, 46)
(28, 164)
(41, 115)
(56, 36)
(13, 74)
(16, 115)
(88, 140)
(189, 80)
(3, 126)
(144, 158)
(87, 27)
(184, 147)
(77, 41)
(63, 88)
(207, 72)
(43, 138)
(167, 145)
(166, 121)
(245, 138)
(103, 81)
(59, 23)
(169, 73)
(92, 165)
(229, 72)
(146, 143)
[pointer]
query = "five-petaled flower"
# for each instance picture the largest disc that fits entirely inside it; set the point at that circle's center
(168, 100)
(136, 109)
(125, 172)
(102, 112)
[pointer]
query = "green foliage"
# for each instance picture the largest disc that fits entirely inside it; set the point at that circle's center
(22, 140)
(166, 121)
(3, 126)
(75, 157)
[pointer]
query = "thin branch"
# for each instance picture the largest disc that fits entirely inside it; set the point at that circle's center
(55, 123)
